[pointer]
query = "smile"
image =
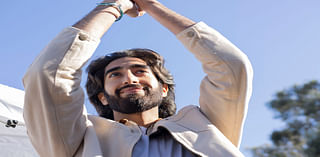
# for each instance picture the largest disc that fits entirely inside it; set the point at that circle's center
(131, 90)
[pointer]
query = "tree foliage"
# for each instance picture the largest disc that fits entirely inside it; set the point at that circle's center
(299, 108)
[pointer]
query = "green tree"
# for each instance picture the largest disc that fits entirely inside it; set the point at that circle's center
(299, 108)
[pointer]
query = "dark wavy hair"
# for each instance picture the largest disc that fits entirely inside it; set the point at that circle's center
(95, 80)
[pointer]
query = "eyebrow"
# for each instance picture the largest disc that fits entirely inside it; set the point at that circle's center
(131, 66)
(112, 69)
(139, 66)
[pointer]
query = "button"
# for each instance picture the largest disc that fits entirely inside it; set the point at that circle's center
(83, 37)
(190, 34)
(123, 121)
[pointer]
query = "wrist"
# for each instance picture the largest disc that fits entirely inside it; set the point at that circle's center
(124, 4)
(111, 8)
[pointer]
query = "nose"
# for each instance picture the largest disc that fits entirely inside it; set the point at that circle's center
(130, 78)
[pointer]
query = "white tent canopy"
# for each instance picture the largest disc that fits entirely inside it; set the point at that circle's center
(14, 141)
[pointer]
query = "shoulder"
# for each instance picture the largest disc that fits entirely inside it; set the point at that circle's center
(97, 121)
(190, 117)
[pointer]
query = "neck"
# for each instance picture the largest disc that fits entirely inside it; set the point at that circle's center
(145, 118)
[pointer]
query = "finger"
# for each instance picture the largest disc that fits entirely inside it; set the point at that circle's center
(136, 7)
(139, 10)
(141, 13)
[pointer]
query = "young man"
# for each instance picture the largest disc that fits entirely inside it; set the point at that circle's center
(131, 90)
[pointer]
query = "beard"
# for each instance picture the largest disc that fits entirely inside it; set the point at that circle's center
(134, 103)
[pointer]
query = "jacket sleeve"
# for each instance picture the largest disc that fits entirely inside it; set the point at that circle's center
(54, 113)
(226, 89)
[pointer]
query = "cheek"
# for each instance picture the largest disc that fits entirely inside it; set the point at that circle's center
(153, 82)
(109, 87)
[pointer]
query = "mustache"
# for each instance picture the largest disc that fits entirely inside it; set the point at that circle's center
(129, 86)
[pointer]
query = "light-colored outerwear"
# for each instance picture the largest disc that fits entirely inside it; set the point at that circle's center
(59, 126)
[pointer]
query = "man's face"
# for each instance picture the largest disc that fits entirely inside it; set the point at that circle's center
(131, 86)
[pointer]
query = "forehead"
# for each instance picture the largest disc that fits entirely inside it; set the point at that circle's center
(125, 62)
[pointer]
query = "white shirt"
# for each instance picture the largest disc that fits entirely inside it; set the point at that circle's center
(160, 146)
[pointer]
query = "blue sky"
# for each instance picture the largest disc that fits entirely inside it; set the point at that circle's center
(281, 38)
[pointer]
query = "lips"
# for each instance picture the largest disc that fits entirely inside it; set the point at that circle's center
(131, 90)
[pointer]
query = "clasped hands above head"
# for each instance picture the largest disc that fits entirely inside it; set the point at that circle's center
(130, 7)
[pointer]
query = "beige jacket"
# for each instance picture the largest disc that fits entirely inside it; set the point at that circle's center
(59, 126)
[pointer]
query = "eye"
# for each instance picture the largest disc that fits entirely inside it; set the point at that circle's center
(141, 71)
(114, 74)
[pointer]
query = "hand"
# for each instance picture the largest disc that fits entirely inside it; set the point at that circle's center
(143, 4)
(128, 7)
(135, 11)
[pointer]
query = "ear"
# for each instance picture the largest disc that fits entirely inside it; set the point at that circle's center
(102, 98)
(165, 90)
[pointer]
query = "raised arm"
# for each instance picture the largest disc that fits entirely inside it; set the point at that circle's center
(168, 18)
(225, 91)
(54, 113)
(99, 20)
